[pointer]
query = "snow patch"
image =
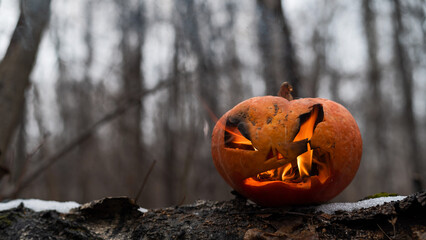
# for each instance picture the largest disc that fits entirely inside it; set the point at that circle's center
(40, 205)
(142, 210)
(330, 208)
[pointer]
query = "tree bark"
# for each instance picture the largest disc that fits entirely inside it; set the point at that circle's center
(20, 147)
(233, 65)
(276, 45)
(119, 218)
(171, 127)
(17, 64)
(132, 41)
(88, 152)
(207, 76)
(319, 65)
(206, 91)
(405, 75)
(131, 71)
(376, 122)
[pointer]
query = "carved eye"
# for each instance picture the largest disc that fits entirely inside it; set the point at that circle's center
(236, 136)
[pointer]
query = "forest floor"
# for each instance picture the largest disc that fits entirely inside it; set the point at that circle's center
(120, 218)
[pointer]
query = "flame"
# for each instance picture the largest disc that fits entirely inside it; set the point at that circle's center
(286, 171)
(292, 172)
(304, 161)
(296, 172)
(266, 175)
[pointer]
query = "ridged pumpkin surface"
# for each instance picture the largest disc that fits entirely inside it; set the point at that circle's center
(270, 124)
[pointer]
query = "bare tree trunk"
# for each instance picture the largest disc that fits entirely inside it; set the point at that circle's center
(318, 45)
(17, 64)
(334, 85)
(265, 33)
(291, 64)
(278, 53)
(233, 64)
(21, 143)
(206, 73)
(376, 123)
(321, 38)
(133, 28)
(52, 191)
(63, 93)
(86, 153)
(405, 74)
(206, 77)
(171, 128)
(75, 98)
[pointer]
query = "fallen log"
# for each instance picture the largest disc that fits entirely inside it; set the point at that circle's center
(120, 218)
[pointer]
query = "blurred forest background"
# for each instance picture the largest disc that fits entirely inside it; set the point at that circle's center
(93, 92)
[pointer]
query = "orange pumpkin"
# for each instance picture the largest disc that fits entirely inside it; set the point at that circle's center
(278, 151)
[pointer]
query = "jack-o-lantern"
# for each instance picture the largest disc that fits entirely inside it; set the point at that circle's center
(278, 151)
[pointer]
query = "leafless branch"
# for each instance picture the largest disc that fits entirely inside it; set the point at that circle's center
(121, 109)
(145, 180)
(383, 231)
(29, 157)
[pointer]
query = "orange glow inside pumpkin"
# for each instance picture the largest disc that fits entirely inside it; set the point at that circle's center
(292, 173)
(304, 161)
(300, 172)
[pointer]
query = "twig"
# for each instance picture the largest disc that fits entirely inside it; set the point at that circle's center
(27, 160)
(37, 149)
(130, 102)
(145, 180)
(182, 200)
(300, 214)
(383, 232)
(393, 222)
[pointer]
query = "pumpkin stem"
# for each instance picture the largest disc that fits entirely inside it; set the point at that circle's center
(285, 91)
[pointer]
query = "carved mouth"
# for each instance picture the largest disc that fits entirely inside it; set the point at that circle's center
(307, 164)
(274, 155)
(296, 165)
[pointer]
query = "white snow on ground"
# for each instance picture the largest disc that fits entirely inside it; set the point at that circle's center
(142, 210)
(348, 207)
(40, 205)
(64, 207)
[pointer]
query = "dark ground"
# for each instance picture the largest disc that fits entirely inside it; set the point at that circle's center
(119, 218)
